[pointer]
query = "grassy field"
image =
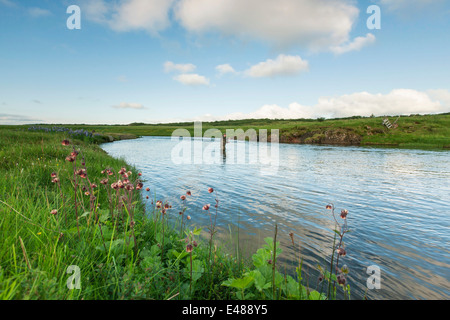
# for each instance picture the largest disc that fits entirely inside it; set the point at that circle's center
(68, 233)
(127, 245)
(416, 131)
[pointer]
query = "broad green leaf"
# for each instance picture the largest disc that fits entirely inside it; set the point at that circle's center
(240, 283)
(314, 295)
(261, 257)
(261, 283)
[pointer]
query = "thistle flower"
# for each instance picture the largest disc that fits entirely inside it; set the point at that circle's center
(341, 279)
(341, 252)
(81, 173)
(291, 234)
(129, 187)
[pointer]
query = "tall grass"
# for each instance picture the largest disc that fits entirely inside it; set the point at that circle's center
(70, 206)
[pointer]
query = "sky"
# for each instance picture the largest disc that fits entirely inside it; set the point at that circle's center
(156, 61)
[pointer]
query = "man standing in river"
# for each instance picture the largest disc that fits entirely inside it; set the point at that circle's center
(224, 142)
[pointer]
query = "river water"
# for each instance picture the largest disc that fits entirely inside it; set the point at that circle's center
(398, 204)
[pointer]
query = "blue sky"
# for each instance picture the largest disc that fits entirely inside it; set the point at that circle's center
(160, 60)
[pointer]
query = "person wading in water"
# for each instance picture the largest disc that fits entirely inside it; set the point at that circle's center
(224, 142)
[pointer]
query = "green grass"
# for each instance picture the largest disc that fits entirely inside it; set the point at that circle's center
(416, 131)
(122, 251)
(37, 247)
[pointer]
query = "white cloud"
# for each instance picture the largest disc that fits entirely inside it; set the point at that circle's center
(441, 95)
(192, 79)
(8, 3)
(122, 78)
(129, 15)
(12, 119)
(356, 45)
(317, 24)
(273, 111)
(150, 15)
(95, 10)
(169, 66)
(224, 69)
(282, 65)
(126, 105)
(397, 102)
(38, 12)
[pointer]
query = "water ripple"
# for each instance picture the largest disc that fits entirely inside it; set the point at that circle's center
(397, 202)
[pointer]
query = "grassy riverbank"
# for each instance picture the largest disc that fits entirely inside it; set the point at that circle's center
(415, 132)
(65, 216)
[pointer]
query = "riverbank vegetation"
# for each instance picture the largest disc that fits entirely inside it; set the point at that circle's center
(79, 224)
(415, 131)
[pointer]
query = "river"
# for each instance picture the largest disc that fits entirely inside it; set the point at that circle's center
(398, 204)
